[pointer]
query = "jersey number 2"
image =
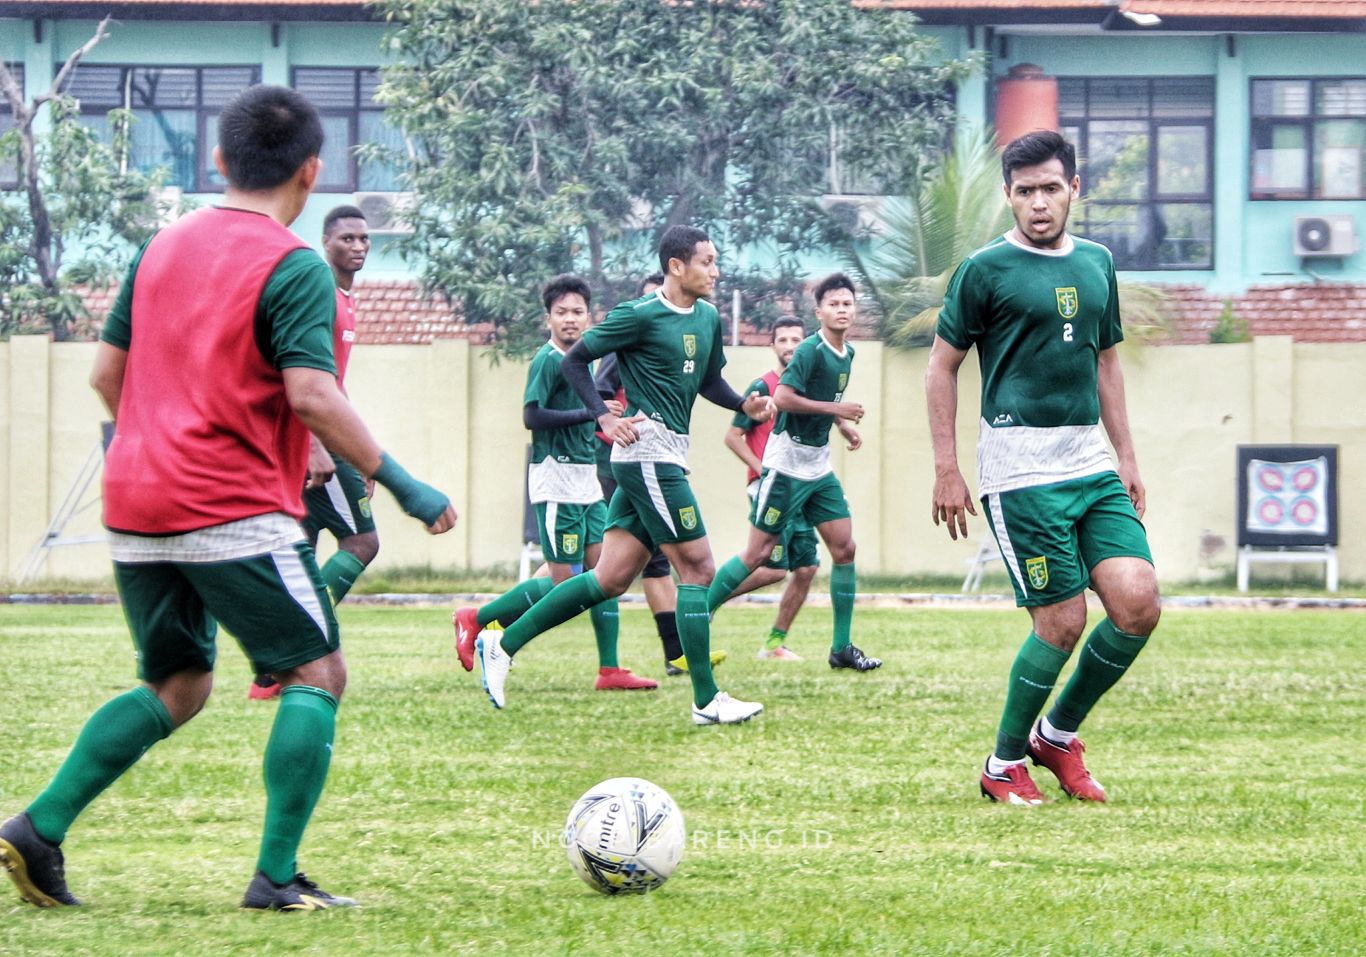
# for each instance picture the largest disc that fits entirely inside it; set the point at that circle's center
(1067, 332)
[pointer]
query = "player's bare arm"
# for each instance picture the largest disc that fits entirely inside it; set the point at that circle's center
(106, 378)
(320, 465)
(952, 502)
(735, 441)
(851, 435)
(758, 407)
(788, 399)
(316, 400)
(1115, 416)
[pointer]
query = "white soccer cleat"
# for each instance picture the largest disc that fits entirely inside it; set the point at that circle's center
(494, 663)
(723, 709)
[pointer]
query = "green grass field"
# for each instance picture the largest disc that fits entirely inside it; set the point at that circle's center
(845, 820)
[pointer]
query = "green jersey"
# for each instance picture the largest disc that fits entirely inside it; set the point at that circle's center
(665, 354)
(1039, 319)
(563, 461)
(800, 443)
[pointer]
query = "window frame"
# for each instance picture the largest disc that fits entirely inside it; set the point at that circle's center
(1153, 198)
(205, 116)
(1307, 123)
(352, 115)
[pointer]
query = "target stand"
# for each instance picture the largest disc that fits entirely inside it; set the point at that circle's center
(1288, 508)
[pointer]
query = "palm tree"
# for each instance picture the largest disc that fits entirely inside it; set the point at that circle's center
(950, 210)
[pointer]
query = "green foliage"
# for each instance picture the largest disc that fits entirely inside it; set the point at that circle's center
(949, 208)
(74, 223)
(567, 134)
(843, 821)
(1229, 327)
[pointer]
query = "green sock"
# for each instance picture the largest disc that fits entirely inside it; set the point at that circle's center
(775, 639)
(111, 742)
(729, 577)
(694, 631)
(340, 573)
(843, 589)
(566, 600)
(606, 624)
(1031, 681)
(513, 603)
(297, 757)
(1105, 657)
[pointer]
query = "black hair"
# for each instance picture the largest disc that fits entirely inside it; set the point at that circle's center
(265, 134)
(679, 242)
(654, 279)
(784, 322)
(830, 283)
(340, 212)
(565, 285)
(1039, 147)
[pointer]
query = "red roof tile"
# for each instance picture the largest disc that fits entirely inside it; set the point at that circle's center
(1248, 8)
(1310, 312)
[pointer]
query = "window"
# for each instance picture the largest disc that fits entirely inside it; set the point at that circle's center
(1308, 136)
(175, 111)
(351, 117)
(9, 162)
(1144, 152)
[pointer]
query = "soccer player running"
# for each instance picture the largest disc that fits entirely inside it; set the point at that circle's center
(217, 360)
(797, 550)
(1042, 308)
(337, 497)
(669, 348)
(657, 579)
(798, 483)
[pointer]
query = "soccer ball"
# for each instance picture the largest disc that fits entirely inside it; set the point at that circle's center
(624, 836)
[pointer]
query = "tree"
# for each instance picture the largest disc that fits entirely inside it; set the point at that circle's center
(947, 210)
(566, 134)
(73, 191)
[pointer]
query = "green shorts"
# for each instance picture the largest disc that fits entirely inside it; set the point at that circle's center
(341, 506)
(566, 530)
(1051, 536)
(275, 604)
(784, 501)
(654, 504)
(797, 549)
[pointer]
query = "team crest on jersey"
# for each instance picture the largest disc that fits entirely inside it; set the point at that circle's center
(364, 506)
(569, 544)
(771, 516)
(844, 381)
(776, 555)
(1067, 301)
(690, 345)
(687, 517)
(1037, 570)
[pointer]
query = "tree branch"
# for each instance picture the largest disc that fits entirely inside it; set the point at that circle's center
(101, 32)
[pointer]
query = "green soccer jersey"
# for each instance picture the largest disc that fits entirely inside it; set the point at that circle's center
(1039, 319)
(800, 444)
(665, 354)
(545, 386)
(563, 461)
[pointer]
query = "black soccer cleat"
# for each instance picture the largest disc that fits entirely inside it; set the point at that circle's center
(299, 894)
(34, 863)
(850, 657)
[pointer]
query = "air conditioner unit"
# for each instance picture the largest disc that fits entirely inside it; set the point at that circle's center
(1325, 236)
(387, 214)
(856, 213)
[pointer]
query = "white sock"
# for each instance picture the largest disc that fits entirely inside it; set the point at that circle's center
(1063, 738)
(997, 766)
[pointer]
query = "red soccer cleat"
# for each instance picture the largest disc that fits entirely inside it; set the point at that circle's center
(1015, 786)
(621, 679)
(260, 692)
(466, 621)
(1067, 765)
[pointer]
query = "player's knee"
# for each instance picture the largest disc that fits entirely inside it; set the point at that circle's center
(700, 572)
(612, 584)
(1139, 617)
(364, 546)
(842, 553)
(328, 673)
(806, 574)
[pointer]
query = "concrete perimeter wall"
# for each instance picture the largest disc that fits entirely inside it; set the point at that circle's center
(453, 418)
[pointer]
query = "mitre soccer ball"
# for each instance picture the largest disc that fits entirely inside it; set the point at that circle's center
(624, 836)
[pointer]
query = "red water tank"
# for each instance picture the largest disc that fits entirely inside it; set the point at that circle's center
(1026, 100)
